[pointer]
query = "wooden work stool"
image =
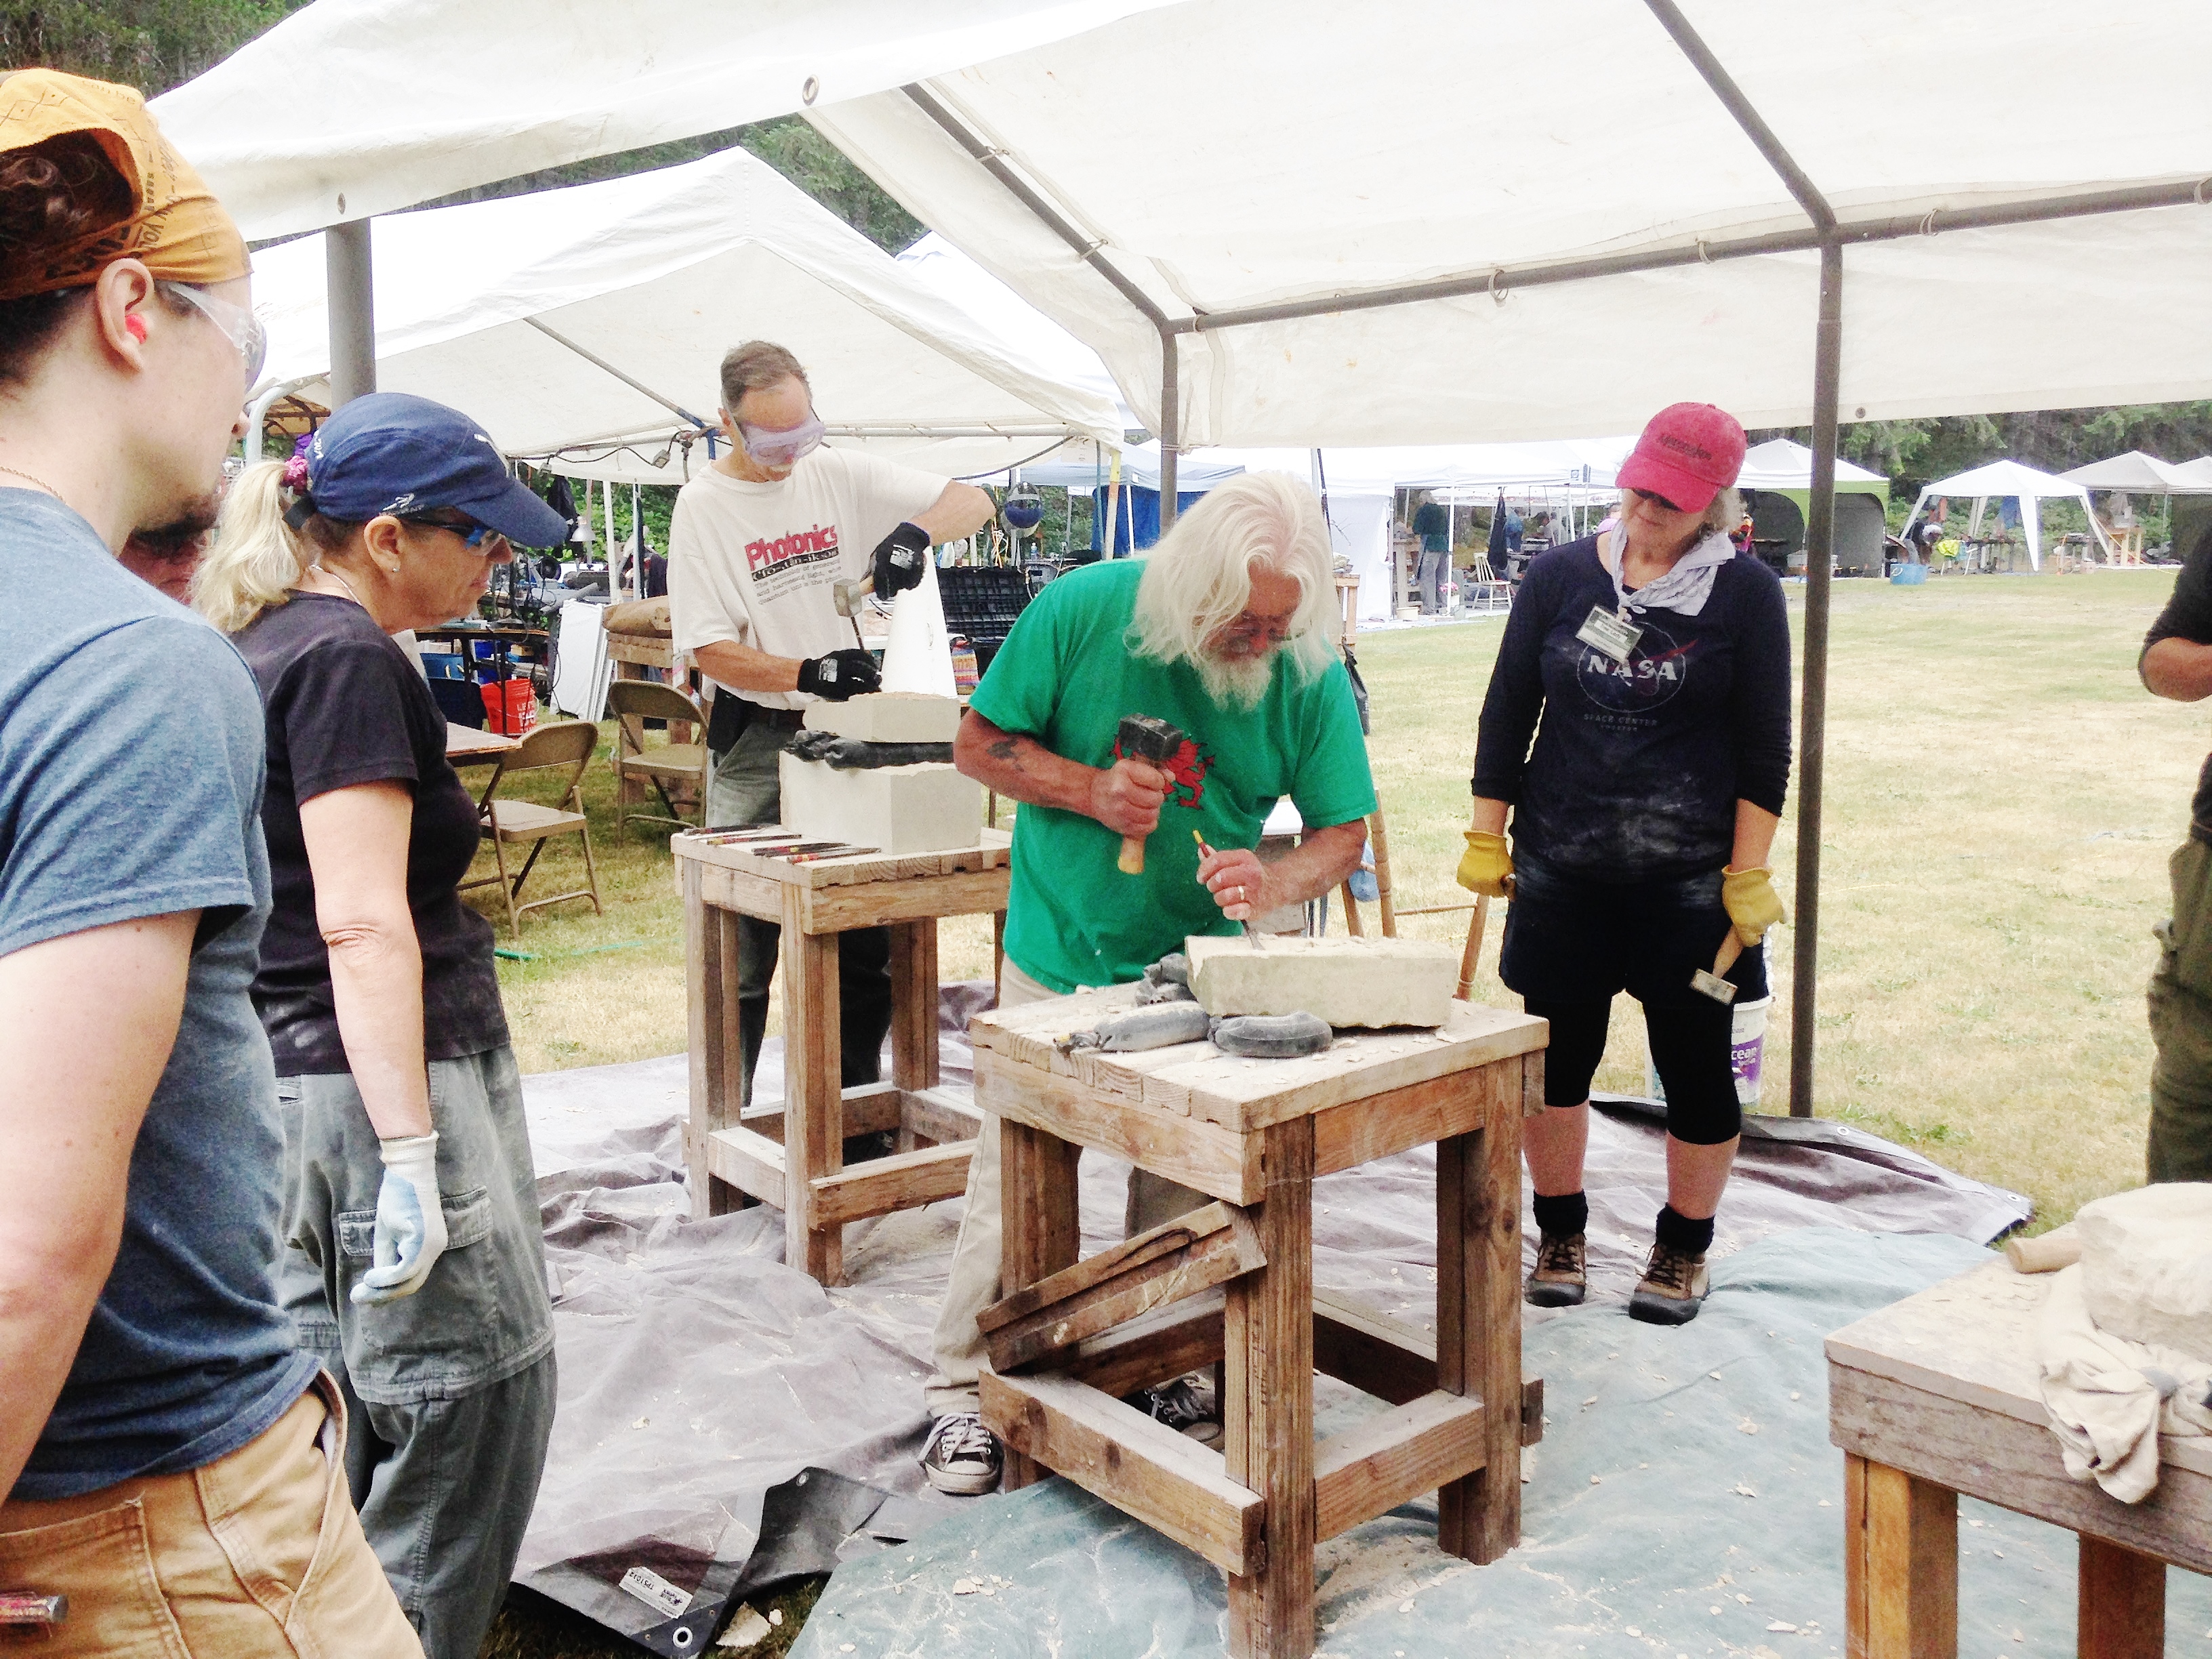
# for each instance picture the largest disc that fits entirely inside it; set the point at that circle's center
(1071, 1338)
(793, 1155)
(1938, 1394)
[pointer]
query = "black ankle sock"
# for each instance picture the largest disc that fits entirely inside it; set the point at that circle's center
(1679, 1233)
(1563, 1217)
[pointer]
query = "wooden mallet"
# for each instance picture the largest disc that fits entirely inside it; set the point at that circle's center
(1153, 740)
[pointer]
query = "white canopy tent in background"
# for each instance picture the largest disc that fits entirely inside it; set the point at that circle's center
(1786, 468)
(1395, 263)
(2139, 474)
(574, 323)
(2000, 479)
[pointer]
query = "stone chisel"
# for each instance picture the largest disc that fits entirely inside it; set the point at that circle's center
(1251, 938)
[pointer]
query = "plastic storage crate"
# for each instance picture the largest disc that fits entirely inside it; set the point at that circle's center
(982, 602)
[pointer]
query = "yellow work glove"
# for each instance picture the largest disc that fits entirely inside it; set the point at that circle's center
(1751, 901)
(1486, 867)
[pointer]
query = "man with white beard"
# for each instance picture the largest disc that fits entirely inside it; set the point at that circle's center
(1224, 630)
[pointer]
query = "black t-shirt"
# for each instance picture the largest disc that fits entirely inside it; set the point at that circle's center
(2188, 615)
(345, 706)
(1636, 769)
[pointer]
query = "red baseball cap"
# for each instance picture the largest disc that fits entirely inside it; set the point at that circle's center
(1689, 453)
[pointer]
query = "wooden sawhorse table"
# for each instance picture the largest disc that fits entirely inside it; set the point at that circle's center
(793, 1155)
(1254, 1133)
(1937, 1395)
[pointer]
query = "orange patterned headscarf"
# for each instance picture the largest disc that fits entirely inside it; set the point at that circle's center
(176, 226)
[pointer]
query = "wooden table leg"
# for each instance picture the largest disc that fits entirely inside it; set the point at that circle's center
(1267, 1421)
(913, 1011)
(710, 977)
(813, 1094)
(2122, 1604)
(1478, 1315)
(1039, 1231)
(1900, 1565)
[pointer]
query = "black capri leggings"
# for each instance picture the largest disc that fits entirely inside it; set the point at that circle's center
(1571, 944)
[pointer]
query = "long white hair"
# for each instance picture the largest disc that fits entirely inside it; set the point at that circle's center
(1199, 579)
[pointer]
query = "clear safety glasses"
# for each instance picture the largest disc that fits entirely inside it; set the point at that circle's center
(239, 325)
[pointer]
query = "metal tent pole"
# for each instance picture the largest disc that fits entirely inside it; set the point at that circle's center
(1170, 427)
(1813, 718)
(350, 287)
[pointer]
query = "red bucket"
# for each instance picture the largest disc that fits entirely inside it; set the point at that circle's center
(510, 707)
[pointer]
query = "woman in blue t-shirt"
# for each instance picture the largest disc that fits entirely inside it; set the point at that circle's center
(416, 1269)
(1650, 663)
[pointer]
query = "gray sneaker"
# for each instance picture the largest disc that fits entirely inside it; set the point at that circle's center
(962, 1458)
(1560, 1279)
(1672, 1290)
(1188, 1406)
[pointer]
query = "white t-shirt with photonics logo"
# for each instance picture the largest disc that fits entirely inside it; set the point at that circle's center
(755, 563)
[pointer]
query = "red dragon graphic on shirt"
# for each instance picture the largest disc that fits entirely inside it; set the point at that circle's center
(1188, 770)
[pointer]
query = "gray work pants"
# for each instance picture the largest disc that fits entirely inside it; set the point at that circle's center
(2180, 1141)
(971, 1282)
(449, 1392)
(743, 789)
(1429, 580)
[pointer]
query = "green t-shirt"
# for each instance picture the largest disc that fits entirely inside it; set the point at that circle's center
(1066, 676)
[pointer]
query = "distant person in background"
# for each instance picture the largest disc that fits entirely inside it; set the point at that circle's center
(2177, 664)
(165, 559)
(1496, 547)
(1432, 524)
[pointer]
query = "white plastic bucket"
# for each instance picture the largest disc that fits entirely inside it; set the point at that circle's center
(1746, 1046)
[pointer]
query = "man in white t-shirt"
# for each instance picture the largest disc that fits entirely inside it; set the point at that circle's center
(758, 543)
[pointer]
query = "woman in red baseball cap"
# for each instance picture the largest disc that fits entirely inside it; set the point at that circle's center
(1650, 665)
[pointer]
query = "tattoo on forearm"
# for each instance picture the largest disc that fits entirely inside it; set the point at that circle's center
(1003, 750)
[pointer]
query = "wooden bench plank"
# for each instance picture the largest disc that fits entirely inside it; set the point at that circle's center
(751, 1162)
(1143, 1468)
(1372, 1352)
(1166, 1343)
(1218, 1162)
(942, 1113)
(1412, 1448)
(904, 1181)
(1194, 1252)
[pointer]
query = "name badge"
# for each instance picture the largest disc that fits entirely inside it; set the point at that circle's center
(1603, 630)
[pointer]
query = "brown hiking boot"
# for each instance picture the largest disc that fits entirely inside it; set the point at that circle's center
(1672, 1290)
(1560, 1279)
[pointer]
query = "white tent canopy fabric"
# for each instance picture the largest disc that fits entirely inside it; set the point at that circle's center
(1781, 464)
(1123, 132)
(657, 274)
(2000, 479)
(354, 107)
(2139, 475)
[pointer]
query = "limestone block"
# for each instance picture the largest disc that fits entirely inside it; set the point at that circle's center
(1346, 982)
(888, 717)
(928, 808)
(2147, 1266)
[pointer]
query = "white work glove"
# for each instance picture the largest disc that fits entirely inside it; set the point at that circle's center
(411, 1222)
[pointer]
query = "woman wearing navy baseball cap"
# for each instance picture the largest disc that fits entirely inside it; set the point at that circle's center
(414, 1265)
(1650, 663)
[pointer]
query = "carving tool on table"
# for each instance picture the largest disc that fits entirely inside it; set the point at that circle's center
(1251, 937)
(1153, 741)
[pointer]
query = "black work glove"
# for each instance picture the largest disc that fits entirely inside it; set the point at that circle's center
(840, 675)
(900, 557)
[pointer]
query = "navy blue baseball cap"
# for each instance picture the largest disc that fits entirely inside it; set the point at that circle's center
(391, 452)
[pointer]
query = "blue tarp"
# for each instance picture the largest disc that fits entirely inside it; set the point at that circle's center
(1141, 514)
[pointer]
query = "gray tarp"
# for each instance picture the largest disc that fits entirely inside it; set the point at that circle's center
(697, 1371)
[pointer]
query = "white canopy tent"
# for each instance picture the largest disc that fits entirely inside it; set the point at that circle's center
(1786, 468)
(2138, 474)
(1395, 263)
(584, 327)
(2001, 479)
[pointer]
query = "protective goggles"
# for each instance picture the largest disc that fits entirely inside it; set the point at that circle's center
(768, 447)
(239, 325)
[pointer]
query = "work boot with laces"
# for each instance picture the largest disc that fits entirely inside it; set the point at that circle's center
(1187, 1405)
(1560, 1278)
(1673, 1287)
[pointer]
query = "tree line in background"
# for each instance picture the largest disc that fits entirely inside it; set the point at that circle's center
(154, 44)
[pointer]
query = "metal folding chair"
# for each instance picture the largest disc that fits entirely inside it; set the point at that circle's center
(565, 744)
(632, 703)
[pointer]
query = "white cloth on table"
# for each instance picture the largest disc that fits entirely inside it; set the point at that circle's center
(2110, 1399)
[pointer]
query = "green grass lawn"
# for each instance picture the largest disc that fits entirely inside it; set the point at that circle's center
(2002, 797)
